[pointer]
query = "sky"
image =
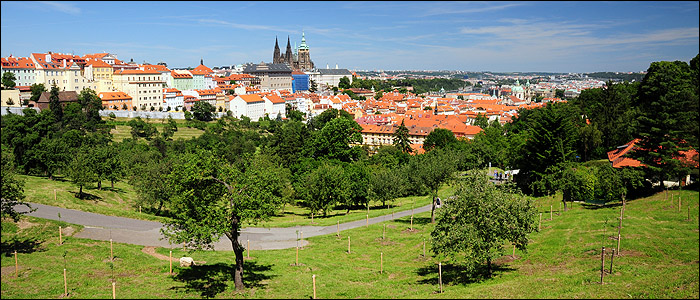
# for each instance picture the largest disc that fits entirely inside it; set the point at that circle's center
(561, 37)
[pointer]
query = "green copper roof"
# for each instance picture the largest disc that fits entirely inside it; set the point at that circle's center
(303, 45)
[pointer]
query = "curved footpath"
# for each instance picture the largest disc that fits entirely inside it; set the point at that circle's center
(147, 233)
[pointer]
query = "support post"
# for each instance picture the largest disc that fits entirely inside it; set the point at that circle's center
(411, 222)
(114, 290)
(248, 248)
(338, 233)
(619, 236)
(540, 223)
(313, 277)
(65, 283)
(551, 212)
(60, 235)
(381, 262)
(367, 223)
(171, 262)
(16, 265)
(440, 276)
(348, 244)
(611, 260)
(602, 265)
(423, 247)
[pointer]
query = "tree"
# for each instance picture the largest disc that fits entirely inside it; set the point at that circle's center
(550, 138)
(37, 89)
(91, 105)
(8, 80)
(324, 187)
(81, 169)
(152, 190)
(481, 121)
(344, 83)
(169, 128)
(12, 191)
(480, 219)
(613, 184)
(214, 197)
(385, 184)
(438, 138)
(313, 87)
(668, 121)
(335, 138)
(55, 105)
(433, 169)
(559, 93)
(139, 128)
(401, 138)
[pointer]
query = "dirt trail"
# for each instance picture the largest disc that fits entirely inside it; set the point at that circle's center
(151, 250)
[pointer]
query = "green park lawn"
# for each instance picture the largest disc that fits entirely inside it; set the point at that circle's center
(659, 259)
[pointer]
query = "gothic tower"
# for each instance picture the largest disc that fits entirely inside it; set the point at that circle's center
(288, 57)
(276, 55)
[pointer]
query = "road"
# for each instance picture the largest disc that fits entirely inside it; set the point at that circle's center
(147, 233)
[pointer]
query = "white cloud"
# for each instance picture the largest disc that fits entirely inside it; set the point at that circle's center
(65, 7)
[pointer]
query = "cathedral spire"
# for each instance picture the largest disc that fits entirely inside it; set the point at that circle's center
(276, 54)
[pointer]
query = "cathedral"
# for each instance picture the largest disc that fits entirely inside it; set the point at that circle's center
(297, 60)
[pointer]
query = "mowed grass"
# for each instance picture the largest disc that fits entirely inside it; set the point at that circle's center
(121, 201)
(659, 259)
(122, 131)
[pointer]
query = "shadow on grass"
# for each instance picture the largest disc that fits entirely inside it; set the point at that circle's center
(416, 220)
(29, 245)
(456, 274)
(211, 280)
(85, 196)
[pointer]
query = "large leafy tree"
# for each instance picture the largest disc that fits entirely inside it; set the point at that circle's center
(334, 139)
(12, 190)
(474, 225)
(55, 105)
(344, 83)
(140, 128)
(386, 184)
(203, 111)
(401, 138)
(290, 142)
(8, 80)
(324, 187)
(438, 138)
(668, 121)
(214, 197)
(37, 89)
(492, 145)
(81, 169)
(550, 138)
(433, 169)
(91, 105)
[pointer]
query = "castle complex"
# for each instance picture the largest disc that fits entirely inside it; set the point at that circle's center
(297, 60)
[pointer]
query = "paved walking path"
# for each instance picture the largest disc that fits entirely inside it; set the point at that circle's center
(147, 233)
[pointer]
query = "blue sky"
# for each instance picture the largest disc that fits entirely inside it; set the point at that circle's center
(402, 35)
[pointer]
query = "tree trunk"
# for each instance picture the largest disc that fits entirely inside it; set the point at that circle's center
(112, 183)
(432, 212)
(238, 250)
(99, 185)
(80, 194)
(564, 204)
(488, 265)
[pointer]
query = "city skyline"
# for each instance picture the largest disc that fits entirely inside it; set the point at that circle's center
(558, 37)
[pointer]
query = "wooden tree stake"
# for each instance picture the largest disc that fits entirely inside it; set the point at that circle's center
(114, 290)
(54, 195)
(60, 235)
(301, 234)
(297, 261)
(171, 262)
(367, 223)
(381, 262)
(611, 260)
(423, 247)
(338, 234)
(65, 283)
(540, 223)
(551, 212)
(248, 248)
(679, 203)
(139, 209)
(602, 265)
(313, 277)
(348, 244)
(411, 223)
(16, 265)
(619, 229)
(440, 276)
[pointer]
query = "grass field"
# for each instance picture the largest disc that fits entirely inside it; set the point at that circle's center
(122, 131)
(659, 259)
(121, 201)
